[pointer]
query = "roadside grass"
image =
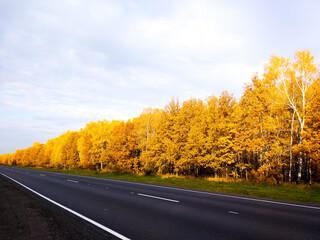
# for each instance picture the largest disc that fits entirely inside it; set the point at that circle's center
(301, 193)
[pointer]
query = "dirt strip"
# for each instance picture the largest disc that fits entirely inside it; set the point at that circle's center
(25, 216)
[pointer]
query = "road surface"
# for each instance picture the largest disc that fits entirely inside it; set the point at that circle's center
(129, 210)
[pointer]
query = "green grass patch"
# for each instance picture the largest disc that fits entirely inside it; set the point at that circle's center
(287, 192)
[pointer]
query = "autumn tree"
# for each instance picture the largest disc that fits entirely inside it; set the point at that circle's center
(220, 133)
(293, 79)
(190, 137)
(84, 146)
(70, 153)
(163, 150)
(123, 152)
(145, 127)
(311, 142)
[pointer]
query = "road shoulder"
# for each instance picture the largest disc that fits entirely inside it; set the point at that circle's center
(25, 216)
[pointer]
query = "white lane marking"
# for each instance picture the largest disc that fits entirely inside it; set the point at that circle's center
(236, 213)
(42, 175)
(106, 188)
(72, 181)
(72, 211)
(150, 196)
(196, 191)
(206, 193)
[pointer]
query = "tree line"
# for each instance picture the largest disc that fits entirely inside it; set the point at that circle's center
(272, 134)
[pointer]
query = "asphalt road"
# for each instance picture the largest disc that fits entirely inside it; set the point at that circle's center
(128, 210)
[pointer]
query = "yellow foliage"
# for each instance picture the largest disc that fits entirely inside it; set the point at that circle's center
(268, 135)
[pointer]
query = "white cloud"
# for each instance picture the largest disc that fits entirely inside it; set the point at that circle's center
(193, 28)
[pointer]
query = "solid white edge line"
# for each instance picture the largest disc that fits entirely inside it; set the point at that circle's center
(195, 191)
(161, 198)
(72, 211)
(72, 181)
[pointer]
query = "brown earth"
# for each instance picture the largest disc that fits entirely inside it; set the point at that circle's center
(25, 216)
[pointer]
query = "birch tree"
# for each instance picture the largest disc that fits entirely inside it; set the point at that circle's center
(293, 79)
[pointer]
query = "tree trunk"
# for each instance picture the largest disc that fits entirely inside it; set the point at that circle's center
(300, 158)
(310, 173)
(291, 143)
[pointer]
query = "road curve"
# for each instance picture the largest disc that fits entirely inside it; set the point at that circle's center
(129, 210)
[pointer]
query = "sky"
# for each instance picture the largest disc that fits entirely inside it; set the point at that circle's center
(65, 63)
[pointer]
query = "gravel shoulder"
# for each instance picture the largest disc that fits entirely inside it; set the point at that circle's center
(26, 216)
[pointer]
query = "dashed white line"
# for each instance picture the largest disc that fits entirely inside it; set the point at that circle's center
(205, 193)
(161, 198)
(42, 175)
(208, 193)
(73, 212)
(236, 213)
(69, 180)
